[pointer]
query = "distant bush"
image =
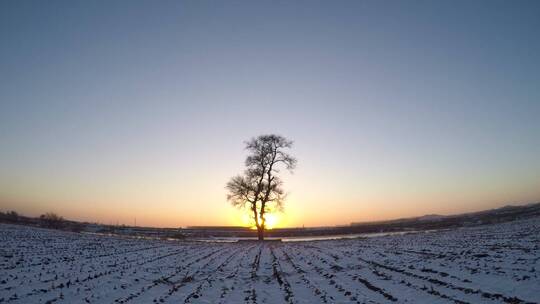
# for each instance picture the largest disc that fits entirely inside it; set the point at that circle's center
(10, 216)
(52, 220)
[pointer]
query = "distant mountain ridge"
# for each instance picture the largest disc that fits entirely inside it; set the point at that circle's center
(503, 213)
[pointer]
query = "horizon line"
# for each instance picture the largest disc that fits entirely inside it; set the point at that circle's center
(522, 204)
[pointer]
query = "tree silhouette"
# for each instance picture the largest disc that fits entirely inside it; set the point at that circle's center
(259, 189)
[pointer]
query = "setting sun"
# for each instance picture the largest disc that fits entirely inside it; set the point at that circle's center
(272, 221)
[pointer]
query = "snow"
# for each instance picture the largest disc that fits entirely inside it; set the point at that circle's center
(487, 264)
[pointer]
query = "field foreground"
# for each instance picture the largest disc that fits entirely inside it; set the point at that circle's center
(488, 264)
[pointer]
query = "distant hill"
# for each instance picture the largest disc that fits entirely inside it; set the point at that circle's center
(431, 217)
(502, 214)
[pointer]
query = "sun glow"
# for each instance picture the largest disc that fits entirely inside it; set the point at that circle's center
(272, 221)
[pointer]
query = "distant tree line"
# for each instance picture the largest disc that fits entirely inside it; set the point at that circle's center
(9, 216)
(49, 220)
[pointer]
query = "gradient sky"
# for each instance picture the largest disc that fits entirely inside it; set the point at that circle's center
(115, 110)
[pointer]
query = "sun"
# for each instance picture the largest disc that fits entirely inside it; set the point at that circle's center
(272, 220)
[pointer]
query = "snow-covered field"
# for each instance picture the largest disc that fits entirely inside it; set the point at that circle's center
(488, 264)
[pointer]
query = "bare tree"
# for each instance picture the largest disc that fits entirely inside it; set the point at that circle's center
(259, 189)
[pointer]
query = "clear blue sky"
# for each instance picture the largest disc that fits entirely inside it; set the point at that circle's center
(112, 110)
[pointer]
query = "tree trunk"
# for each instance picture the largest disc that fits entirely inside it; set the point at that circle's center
(260, 233)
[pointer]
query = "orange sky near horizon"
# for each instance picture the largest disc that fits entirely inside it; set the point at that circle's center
(302, 208)
(324, 190)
